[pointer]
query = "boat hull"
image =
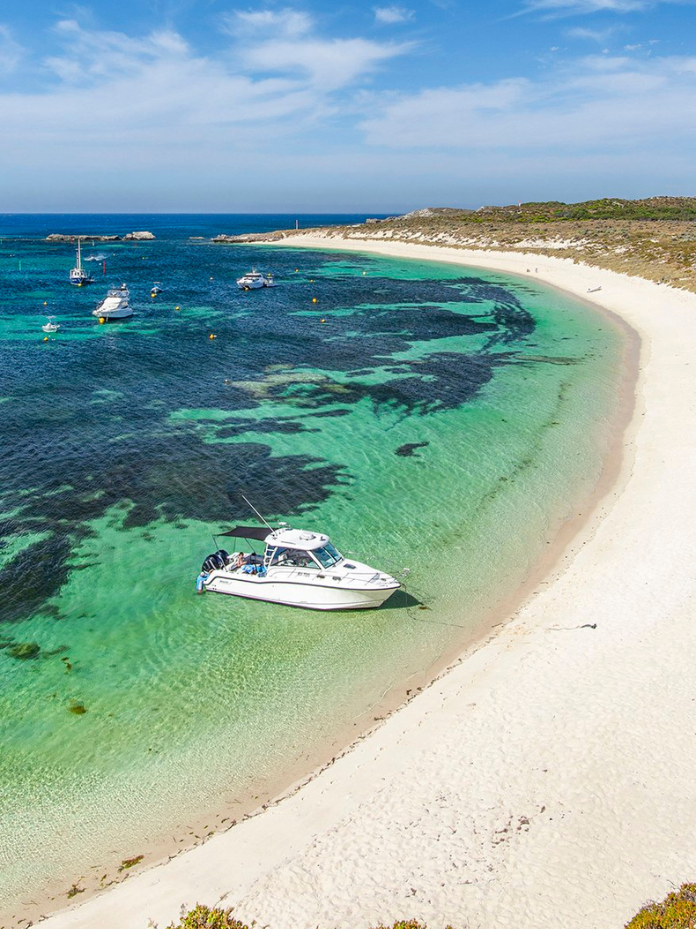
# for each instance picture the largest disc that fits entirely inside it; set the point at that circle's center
(124, 313)
(315, 594)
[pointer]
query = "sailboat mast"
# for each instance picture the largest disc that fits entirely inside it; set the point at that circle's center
(79, 255)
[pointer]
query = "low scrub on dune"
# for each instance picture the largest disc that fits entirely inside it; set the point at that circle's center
(677, 911)
(202, 917)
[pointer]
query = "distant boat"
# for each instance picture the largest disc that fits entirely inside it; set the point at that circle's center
(156, 289)
(254, 279)
(116, 305)
(78, 275)
(50, 326)
(593, 290)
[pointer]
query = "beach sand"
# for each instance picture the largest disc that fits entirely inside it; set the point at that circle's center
(547, 778)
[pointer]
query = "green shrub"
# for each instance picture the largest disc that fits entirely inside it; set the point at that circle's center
(202, 917)
(677, 911)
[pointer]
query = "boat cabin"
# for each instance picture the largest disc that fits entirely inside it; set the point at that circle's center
(290, 547)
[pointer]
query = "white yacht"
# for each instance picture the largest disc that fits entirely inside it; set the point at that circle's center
(51, 326)
(254, 279)
(78, 275)
(116, 305)
(296, 568)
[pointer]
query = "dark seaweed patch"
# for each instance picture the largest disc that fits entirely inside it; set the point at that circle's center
(32, 577)
(406, 451)
(235, 428)
(327, 413)
(88, 425)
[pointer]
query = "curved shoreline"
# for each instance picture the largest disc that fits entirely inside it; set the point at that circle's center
(542, 808)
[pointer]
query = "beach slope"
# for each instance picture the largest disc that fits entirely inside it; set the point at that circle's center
(547, 778)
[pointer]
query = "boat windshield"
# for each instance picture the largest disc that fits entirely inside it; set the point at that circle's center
(327, 556)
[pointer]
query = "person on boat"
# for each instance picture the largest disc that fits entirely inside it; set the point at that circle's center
(240, 560)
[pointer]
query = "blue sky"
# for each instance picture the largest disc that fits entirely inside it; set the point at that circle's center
(211, 106)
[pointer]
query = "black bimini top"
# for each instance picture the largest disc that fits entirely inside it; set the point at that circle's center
(260, 533)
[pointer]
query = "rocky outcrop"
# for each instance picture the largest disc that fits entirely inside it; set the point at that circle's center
(129, 237)
(253, 237)
(59, 237)
(138, 237)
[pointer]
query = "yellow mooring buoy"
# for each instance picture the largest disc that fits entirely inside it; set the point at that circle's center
(211, 336)
(314, 299)
(102, 320)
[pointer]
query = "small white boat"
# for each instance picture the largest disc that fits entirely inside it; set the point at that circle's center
(78, 275)
(116, 305)
(51, 326)
(254, 279)
(156, 289)
(296, 568)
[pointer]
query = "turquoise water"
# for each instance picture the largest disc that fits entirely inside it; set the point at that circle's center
(436, 421)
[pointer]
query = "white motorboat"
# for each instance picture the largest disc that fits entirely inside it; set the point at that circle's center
(51, 326)
(116, 305)
(78, 275)
(254, 279)
(296, 568)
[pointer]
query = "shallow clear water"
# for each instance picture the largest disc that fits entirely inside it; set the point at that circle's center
(428, 417)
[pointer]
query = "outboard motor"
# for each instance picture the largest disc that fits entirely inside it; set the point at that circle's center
(216, 561)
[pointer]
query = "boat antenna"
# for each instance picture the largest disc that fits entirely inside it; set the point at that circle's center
(249, 503)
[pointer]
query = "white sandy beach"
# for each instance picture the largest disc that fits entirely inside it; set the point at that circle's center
(548, 779)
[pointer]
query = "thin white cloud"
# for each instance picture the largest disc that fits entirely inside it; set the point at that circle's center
(11, 52)
(330, 64)
(93, 54)
(580, 7)
(156, 99)
(592, 35)
(285, 23)
(601, 101)
(586, 6)
(389, 15)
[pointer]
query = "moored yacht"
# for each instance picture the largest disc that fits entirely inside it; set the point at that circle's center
(254, 279)
(78, 275)
(51, 325)
(116, 305)
(296, 568)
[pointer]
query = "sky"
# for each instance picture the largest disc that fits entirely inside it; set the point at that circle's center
(324, 106)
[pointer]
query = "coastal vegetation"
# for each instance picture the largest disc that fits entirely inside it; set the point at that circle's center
(202, 917)
(676, 911)
(653, 238)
